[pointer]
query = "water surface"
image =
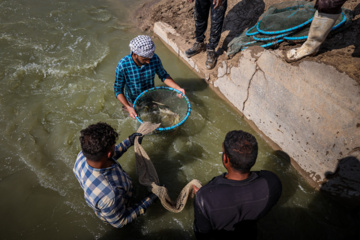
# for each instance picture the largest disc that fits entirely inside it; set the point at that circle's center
(57, 66)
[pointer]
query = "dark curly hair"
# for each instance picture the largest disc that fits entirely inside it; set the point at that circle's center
(242, 149)
(96, 140)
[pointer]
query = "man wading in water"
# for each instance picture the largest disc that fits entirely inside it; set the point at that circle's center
(135, 73)
(229, 206)
(107, 187)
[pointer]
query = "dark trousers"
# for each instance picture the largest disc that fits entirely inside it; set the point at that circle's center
(202, 9)
(329, 6)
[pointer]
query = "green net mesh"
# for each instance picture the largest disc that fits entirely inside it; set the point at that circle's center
(286, 16)
(289, 21)
(238, 43)
(163, 105)
(301, 34)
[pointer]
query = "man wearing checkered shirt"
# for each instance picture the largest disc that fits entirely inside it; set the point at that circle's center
(107, 187)
(135, 73)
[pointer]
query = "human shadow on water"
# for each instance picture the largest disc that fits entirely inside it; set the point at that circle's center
(134, 233)
(243, 15)
(170, 153)
(199, 112)
(195, 123)
(343, 185)
(192, 84)
(305, 213)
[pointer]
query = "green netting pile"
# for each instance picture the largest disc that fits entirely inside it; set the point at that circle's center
(288, 21)
(163, 105)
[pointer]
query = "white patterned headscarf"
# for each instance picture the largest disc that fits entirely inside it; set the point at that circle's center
(143, 46)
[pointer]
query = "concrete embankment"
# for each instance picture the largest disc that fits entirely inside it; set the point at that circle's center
(310, 111)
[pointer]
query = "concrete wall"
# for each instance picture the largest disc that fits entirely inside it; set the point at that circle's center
(311, 111)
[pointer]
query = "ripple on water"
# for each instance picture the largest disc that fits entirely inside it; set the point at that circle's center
(58, 64)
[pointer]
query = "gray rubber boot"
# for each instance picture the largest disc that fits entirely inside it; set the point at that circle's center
(320, 28)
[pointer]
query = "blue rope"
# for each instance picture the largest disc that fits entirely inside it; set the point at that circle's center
(170, 89)
(282, 31)
(271, 38)
(343, 20)
(282, 35)
(289, 29)
(264, 45)
(251, 34)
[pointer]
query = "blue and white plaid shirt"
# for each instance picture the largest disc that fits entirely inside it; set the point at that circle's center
(108, 190)
(132, 80)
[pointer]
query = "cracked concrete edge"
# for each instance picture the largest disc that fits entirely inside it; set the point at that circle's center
(322, 140)
(234, 84)
(248, 89)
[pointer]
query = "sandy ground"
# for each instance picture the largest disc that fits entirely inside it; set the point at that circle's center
(341, 50)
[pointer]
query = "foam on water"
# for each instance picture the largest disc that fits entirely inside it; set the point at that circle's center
(43, 77)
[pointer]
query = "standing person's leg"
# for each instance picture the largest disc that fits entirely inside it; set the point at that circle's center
(329, 6)
(217, 20)
(201, 15)
(328, 11)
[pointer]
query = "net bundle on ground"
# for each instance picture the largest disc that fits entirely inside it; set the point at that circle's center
(148, 176)
(163, 105)
(287, 21)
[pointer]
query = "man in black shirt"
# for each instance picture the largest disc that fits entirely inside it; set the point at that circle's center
(229, 206)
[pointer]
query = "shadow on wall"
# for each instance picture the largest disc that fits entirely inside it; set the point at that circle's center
(307, 213)
(357, 29)
(343, 185)
(243, 15)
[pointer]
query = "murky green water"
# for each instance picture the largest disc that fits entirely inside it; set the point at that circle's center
(57, 70)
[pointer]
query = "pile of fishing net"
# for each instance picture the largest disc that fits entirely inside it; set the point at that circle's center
(287, 21)
(166, 106)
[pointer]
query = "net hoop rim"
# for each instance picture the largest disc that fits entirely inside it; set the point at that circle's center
(251, 34)
(332, 29)
(171, 89)
(264, 45)
(271, 37)
(285, 30)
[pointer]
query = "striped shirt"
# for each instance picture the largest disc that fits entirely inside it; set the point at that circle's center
(131, 80)
(107, 191)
